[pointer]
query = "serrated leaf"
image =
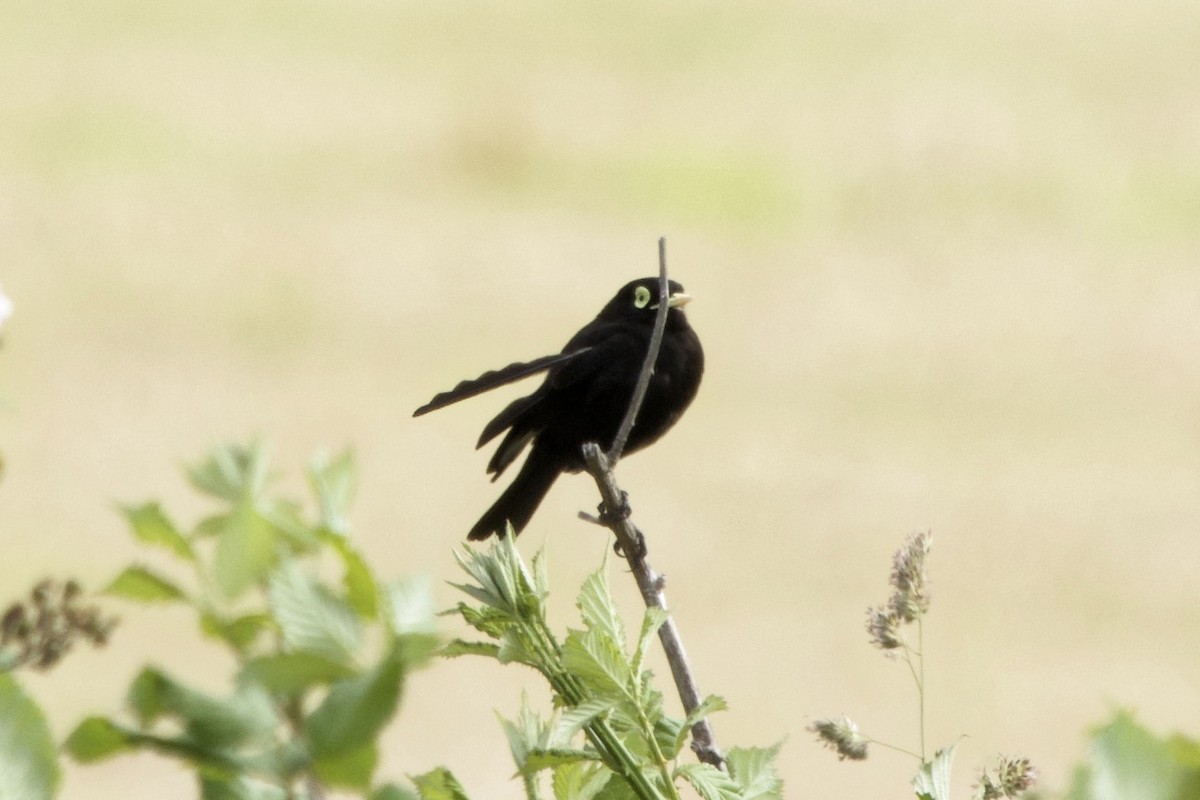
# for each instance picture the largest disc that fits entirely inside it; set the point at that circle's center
(28, 761)
(709, 705)
(310, 617)
(597, 660)
(246, 551)
(461, 647)
(652, 620)
(932, 781)
(573, 720)
(334, 483)
(151, 525)
(348, 770)
(580, 781)
(292, 673)
(362, 592)
(95, 739)
(709, 782)
(439, 784)
(596, 606)
(355, 709)
(753, 769)
(144, 586)
(528, 732)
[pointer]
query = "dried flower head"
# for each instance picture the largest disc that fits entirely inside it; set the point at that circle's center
(884, 626)
(1014, 776)
(39, 631)
(910, 597)
(841, 736)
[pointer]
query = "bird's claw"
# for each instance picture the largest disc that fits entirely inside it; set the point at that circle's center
(611, 516)
(641, 546)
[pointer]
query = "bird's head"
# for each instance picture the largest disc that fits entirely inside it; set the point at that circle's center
(640, 300)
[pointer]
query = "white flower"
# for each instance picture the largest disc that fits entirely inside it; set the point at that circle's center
(6, 308)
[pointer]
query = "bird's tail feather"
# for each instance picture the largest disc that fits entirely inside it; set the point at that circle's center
(522, 497)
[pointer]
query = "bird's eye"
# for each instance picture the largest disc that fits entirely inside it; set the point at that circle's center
(641, 297)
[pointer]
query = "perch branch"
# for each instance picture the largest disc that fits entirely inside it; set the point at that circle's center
(632, 542)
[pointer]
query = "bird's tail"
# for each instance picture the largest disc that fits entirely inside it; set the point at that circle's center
(522, 497)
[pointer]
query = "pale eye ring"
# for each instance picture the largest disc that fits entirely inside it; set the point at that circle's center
(641, 297)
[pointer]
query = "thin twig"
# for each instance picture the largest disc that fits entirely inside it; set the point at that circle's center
(650, 585)
(631, 540)
(643, 381)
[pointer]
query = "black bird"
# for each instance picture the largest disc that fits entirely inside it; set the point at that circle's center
(584, 397)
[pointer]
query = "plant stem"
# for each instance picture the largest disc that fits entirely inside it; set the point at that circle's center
(921, 681)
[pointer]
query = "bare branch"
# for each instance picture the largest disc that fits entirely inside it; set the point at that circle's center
(650, 585)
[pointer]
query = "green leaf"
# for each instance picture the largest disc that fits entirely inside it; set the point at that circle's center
(349, 770)
(334, 483)
(753, 769)
(439, 784)
(362, 592)
(932, 781)
(576, 719)
(410, 606)
(528, 732)
(240, 632)
(1128, 761)
(544, 758)
(708, 705)
(292, 673)
(598, 661)
(211, 723)
(709, 782)
(390, 791)
(233, 473)
(144, 586)
(579, 781)
(652, 620)
(310, 617)
(246, 550)
(238, 787)
(95, 739)
(597, 608)
(356, 709)
(461, 647)
(28, 761)
(152, 526)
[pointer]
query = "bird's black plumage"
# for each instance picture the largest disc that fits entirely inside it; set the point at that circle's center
(584, 397)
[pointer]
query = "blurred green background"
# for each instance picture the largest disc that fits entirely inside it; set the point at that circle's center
(946, 262)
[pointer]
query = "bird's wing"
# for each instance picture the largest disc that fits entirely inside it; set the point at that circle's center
(605, 355)
(494, 378)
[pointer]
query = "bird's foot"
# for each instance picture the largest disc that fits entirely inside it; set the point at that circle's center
(611, 516)
(639, 553)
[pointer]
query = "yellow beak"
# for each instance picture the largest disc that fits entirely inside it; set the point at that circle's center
(678, 299)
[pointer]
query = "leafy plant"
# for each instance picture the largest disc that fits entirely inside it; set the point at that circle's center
(1128, 761)
(610, 737)
(322, 648)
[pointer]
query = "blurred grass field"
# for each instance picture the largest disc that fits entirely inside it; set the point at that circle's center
(947, 270)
